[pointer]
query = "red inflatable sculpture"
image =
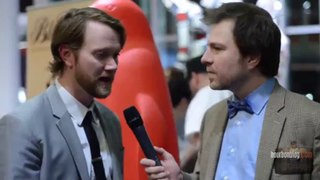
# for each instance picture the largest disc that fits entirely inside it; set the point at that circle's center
(139, 82)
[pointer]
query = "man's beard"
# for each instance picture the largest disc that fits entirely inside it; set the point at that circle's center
(98, 88)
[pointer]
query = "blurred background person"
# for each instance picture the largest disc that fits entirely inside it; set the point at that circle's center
(203, 98)
(180, 98)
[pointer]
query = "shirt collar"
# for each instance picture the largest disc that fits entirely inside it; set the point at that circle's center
(75, 108)
(258, 99)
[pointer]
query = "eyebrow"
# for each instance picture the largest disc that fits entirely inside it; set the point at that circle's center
(114, 50)
(216, 44)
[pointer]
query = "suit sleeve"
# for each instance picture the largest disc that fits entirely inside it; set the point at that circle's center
(316, 150)
(22, 151)
(4, 150)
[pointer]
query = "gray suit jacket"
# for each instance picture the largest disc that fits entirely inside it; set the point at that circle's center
(289, 117)
(40, 141)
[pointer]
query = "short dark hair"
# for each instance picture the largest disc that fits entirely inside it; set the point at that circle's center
(178, 86)
(254, 32)
(250, 1)
(194, 65)
(70, 29)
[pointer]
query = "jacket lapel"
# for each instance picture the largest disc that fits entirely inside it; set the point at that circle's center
(271, 132)
(67, 130)
(107, 129)
(214, 139)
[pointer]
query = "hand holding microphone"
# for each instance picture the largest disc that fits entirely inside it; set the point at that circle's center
(135, 123)
(155, 170)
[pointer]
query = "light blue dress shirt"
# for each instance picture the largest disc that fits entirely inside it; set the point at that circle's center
(239, 150)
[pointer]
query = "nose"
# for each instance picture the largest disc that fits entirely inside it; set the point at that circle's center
(205, 57)
(111, 64)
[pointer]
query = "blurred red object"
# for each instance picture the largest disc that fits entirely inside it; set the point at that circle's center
(140, 82)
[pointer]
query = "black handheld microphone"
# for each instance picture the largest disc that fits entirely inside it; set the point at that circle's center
(135, 123)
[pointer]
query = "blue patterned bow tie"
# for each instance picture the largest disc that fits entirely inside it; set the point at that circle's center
(235, 106)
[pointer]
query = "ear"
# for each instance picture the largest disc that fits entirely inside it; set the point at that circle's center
(253, 61)
(67, 55)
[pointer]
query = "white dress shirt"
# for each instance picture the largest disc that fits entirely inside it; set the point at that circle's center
(78, 111)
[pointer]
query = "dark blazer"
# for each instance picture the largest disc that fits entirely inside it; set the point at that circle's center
(289, 117)
(40, 141)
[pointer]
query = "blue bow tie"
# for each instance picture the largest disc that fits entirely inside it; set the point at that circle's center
(235, 106)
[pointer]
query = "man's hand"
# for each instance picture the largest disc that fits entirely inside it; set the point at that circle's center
(169, 170)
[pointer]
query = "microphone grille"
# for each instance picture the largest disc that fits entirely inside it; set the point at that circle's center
(132, 117)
